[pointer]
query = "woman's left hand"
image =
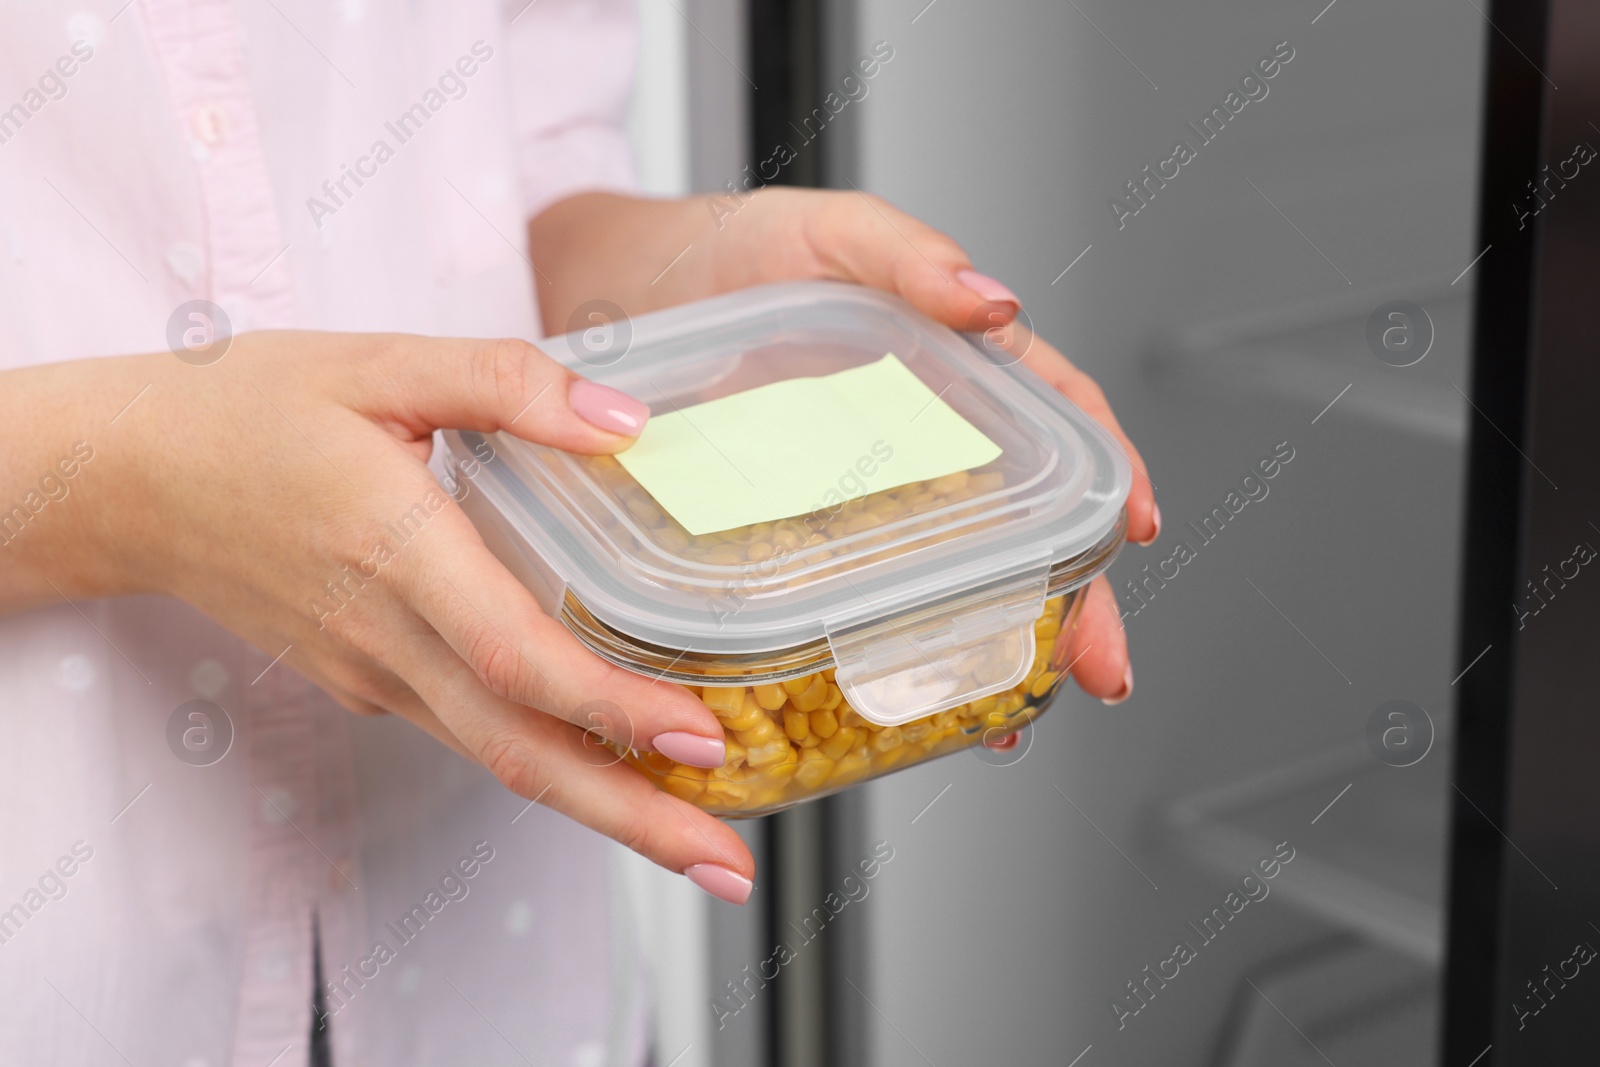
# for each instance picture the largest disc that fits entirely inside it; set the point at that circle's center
(646, 254)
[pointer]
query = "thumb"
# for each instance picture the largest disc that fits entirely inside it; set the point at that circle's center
(864, 238)
(489, 385)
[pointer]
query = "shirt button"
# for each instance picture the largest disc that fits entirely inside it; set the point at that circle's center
(211, 124)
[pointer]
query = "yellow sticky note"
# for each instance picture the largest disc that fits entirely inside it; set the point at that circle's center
(797, 446)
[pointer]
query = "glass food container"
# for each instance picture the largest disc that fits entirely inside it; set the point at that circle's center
(870, 635)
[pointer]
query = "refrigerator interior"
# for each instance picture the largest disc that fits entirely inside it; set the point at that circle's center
(1035, 902)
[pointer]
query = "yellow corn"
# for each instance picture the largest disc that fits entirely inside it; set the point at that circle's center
(771, 697)
(797, 724)
(724, 698)
(765, 755)
(764, 732)
(813, 697)
(790, 740)
(794, 686)
(843, 739)
(747, 717)
(733, 763)
(987, 483)
(814, 769)
(731, 792)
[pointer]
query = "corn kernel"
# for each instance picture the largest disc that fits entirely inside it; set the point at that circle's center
(890, 737)
(841, 742)
(814, 769)
(656, 762)
(724, 698)
(645, 511)
(797, 724)
(1011, 702)
(770, 697)
(851, 767)
(734, 762)
(1041, 685)
(813, 697)
(890, 758)
(765, 755)
(950, 484)
(987, 483)
(811, 740)
(764, 732)
(797, 685)
(824, 722)
(747, 717)
(732, 792)
(834, 698)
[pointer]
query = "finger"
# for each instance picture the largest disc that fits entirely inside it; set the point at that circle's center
(1099, 647)
(495, 626)
(416, 385)
(1039, 356)
(544, 759)
(863, 238)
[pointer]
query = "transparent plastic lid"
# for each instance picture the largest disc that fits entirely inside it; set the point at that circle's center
(900, 584)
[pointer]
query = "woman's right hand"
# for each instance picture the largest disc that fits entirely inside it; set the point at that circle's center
(246, 486)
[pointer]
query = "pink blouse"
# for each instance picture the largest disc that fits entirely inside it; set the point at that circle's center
(324, 164)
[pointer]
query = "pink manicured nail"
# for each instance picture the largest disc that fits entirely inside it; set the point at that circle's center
(987, 287)
(1155, 520)
(602, 406)
(1127, 688)
(692, 749)
(720, 882)
(1004, 744)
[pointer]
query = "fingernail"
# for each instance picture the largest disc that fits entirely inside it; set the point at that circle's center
(720, 882)
(1127, 688)
(602, 406)
(987, 287)
(1004, 744)
(1155, 520)
(692, 749)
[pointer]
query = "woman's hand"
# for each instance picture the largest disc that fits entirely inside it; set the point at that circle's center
(284, 492)
(646, 254)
